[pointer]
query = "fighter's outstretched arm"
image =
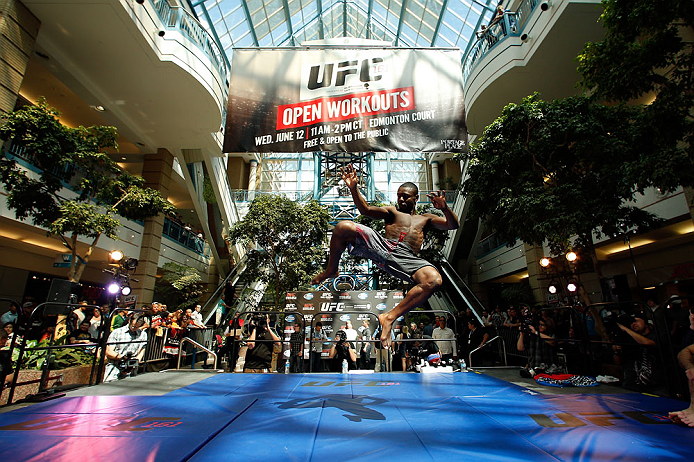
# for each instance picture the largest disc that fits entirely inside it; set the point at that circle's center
(449, 220)
(349, 176)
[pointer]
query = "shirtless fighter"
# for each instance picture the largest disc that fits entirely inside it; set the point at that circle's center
(397, 252)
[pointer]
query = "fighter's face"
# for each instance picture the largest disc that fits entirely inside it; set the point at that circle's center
(407, 200)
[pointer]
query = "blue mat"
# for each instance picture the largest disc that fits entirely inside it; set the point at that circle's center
(318, 417)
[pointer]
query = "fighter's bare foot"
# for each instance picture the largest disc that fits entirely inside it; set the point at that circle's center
(320, 277)
(386, 326)
(685, 417)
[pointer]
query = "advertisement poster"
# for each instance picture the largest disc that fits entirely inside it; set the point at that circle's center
(334, 309)
(346, 100)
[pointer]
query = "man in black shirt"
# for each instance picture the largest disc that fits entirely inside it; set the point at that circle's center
(260, 343)
(82, 334)
(341, 350)
(296, 344)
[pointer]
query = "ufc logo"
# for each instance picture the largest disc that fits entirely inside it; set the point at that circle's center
(370, 70)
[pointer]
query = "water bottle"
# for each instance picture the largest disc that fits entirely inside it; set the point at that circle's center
(463, 366)
(286, 367)
(345, 368)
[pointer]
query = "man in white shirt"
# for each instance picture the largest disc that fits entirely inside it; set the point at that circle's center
(351, 333)
(197, 316)
(125, 349)
(447, 348)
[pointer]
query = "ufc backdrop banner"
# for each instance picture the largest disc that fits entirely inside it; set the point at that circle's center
(334, 309)
(346, 100)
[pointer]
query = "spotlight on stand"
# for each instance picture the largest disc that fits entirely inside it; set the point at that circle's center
(571, 256)
(553, 288)
(544, 262)
(572, 286)
(113, 288)
(125, 290)
(115, 256)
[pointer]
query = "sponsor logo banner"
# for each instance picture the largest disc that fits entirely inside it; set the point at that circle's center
(346, 100)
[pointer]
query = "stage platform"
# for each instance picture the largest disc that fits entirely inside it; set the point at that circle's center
(335, 417)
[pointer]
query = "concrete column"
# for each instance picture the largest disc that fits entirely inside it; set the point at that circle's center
(435, 176)
(252, 177)
(156, 171)
(689, 196)
(18, 31)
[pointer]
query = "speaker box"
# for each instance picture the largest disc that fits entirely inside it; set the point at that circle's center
(61, 291)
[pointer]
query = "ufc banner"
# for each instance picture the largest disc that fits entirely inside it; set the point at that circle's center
(334, 309)
(346, 100)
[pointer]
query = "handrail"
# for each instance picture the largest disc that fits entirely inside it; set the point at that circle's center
(180, 351)
(246, 195)
(511, 24)
(179, 18)
(503, 345)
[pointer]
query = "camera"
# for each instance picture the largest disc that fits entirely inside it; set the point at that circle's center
(611, 319)
(526, 321)
(128, 366)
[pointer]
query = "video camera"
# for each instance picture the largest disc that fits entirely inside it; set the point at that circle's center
(526, 320)
(127, 366)
(610, 320)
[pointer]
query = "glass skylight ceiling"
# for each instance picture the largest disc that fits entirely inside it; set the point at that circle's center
(404, 23)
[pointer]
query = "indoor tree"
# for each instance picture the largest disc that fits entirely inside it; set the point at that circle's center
(97, 189)
(287, 242)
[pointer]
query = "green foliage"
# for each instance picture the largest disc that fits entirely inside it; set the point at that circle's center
(553, 170)
(646, 60)
(208, 191)
(60, 358)
(288, 239)
(518, 294)
(180, 286)
(71, 156)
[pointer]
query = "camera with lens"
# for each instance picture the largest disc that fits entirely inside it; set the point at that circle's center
(526, 321)
(611, 319)
(127, 366)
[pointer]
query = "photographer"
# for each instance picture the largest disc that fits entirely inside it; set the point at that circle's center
(341, 350)
(124, 358)
(259, 356)
(541, 345)
(638, 359)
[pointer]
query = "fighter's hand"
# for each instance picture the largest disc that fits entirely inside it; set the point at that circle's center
(438, 199)
(349, 176)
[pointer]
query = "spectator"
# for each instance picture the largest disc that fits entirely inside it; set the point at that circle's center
(429, 328)
(296, 346)
(191, 318)
(81, 335)
(498, 317)
(95, 327)
(9, 316)
(513, 321)
(8, 328)
(419, 330)
(118, 320)
(197, 316)
(125, 349)
(403, 346)
(351, 333)
(486, 319)
(423, 348)
(342, 350)
(6, 374)
(383, 358)
(75, 318)
(317, 347)
(260, 346)
(365, 347)
(541, 345)
(638, 360)
(477, 338)
(447, 348)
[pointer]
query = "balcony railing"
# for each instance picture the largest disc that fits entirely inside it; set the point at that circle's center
(178, 18)
(185, 237)
(511, 24)
(245, 195)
